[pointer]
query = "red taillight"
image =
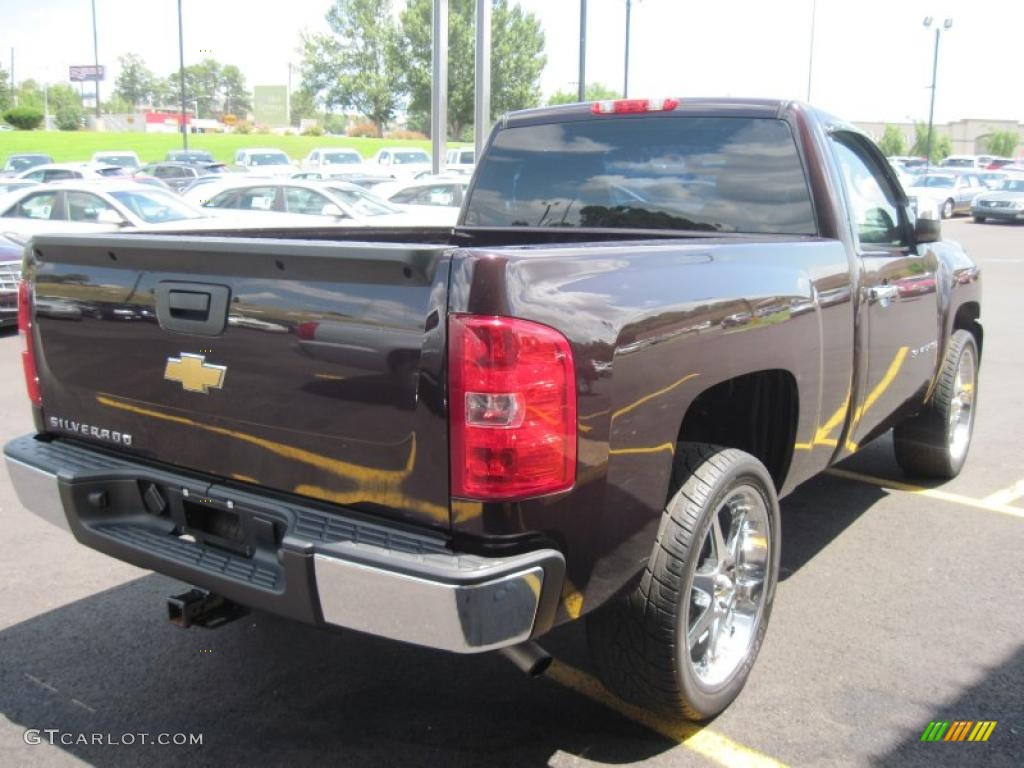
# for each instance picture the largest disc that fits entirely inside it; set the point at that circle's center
(512, 409)
(28, 353)
(632, 106)
(306, 331)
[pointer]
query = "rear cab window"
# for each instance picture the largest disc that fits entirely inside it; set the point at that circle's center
(715, 174)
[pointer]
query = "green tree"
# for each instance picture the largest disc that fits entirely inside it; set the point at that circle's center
(517, 61)
(1002, 143)
(63, 96)
(69, 117)
(25, 118)
(202, 86)
(942, 146)
(354, 64)
(5, 90)
(302, 106)
(233, 91)
(892, 142)
(594, 92)
(135, 84)
(30, 94)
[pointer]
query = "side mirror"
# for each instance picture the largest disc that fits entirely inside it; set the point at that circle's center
(108, 216)
(928, 223)
(330, 209)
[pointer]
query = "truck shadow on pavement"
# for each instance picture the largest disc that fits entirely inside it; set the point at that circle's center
(265, 691)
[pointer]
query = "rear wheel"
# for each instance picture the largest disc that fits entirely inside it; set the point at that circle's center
(947, 209)
(935, 442)
(683, 641)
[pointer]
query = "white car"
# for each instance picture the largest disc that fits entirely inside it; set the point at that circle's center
(128, 160)
(332, 158)
(65, 171)
(966, 162)
(106, 207)
(441, 191)
(401, 162)
(305, 199)
(949, 192)
(271, 162)
(461, 160)
(367, 202)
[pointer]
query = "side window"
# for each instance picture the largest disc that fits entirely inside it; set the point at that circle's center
(299, 200)
(437, 195)
(223, 200)
(877, 218)
(35, 175)
(257, 199)
(37, 206)
(58, 174)
(385, 158)
(85, 207)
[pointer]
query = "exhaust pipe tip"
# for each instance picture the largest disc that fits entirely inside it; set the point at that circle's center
(529, 657)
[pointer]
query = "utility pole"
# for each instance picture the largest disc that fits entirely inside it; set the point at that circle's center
(14, 93)
(935, 71)
(482, 101)
(96, 60)
(583, 51)
(810, 54)
(181, 74)
(625, 77)
(439, 86)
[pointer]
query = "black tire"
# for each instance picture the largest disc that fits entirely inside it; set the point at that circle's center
(979, 219)
(928, 444)
(948, 209)
(637, 640)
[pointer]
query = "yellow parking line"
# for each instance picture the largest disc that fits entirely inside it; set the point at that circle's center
(703, 741)
(1006, 495)
(931, 493)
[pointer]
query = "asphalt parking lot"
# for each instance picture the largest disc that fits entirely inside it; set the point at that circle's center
(898, 605)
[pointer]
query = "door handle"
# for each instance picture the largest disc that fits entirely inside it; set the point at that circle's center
(193, 308)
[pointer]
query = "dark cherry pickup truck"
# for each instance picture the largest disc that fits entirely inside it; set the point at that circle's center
(653, 319)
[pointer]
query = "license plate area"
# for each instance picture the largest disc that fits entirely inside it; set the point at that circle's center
(214, 523)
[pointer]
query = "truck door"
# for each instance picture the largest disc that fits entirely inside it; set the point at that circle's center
(898, 328)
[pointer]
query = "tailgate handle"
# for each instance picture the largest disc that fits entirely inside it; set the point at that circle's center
(192, 308)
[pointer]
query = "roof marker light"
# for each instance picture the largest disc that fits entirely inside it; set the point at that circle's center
(633, 106)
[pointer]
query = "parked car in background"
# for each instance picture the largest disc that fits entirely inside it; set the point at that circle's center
(178, 175)
(992, 179)
(302, 198)
(88, 207)
(128, 160)
(906, 162)
(999, 162)
(460, 160)
(401, 162)
(65, 171)
(370, 204)
(23, 161)
(196, 156)
(438, 191)
(10, 275)
(1003, 204)
(950, 192)
(272, 162)
(329, 157)
(965, 162)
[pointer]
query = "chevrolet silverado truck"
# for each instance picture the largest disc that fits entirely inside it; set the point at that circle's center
(654, 319)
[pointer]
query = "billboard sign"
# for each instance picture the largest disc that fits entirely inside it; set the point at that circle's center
(86, 73)
(270, 105)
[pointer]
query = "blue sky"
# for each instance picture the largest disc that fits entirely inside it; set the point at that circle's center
(872, 58)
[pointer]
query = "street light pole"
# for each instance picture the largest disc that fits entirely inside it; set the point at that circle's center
(625, 77)
(482, 92)
(96, 59)
(439, 86)
(935, 71)
(181, 74)
(810, 54)
(582, 90)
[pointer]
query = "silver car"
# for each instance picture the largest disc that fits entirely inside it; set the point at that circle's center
(1004, 204)
(949, 192)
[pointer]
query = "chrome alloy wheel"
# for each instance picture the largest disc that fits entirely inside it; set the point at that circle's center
(961, 407)
(728, 593)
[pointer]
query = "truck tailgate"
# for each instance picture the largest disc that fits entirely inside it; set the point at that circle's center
(309, 367)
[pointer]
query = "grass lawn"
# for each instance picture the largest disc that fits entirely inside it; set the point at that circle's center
(69, 146)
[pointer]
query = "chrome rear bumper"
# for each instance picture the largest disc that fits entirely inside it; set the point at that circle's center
(325, 566)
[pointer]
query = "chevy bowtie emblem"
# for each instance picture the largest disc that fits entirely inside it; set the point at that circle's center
(194, 373)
